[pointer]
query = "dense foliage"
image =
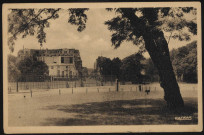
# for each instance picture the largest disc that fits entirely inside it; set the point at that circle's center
(184, 61)
(128, 69)
(28, 69)
(13, 71)
(32, 70)
(84, 71)
(131, 68)
(104, 65)
(152, 74)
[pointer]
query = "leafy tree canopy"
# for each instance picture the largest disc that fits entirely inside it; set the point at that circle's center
(104, 65)
(130, 24)
(13, 71)
(30, 68)
(131, 68)
(184, 61)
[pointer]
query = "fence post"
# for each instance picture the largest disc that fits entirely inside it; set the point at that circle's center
(59, 92)
(31, 93)
(72, 90)
(117, 85)
(67, 85)
(17, 86)
(98, 90)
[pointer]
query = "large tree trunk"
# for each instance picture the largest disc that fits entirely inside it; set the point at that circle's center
(156, 45)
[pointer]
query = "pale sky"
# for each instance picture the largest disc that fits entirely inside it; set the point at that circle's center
(94, 41)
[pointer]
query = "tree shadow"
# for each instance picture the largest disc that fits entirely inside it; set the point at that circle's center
(124, 112)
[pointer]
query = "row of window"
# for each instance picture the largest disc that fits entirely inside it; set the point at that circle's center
(66, 60)
(52, 67)
(63, 73)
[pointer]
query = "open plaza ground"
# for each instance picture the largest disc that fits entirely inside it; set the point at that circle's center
(99, 105)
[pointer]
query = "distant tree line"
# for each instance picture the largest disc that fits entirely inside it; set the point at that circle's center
(137, 69)
(128, 69)
(134, 68)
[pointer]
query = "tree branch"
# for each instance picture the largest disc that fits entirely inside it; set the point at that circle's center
(137, 23)
(20, 30)
(27, 25)
(49, 17)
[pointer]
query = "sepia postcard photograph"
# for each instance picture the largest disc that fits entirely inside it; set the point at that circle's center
(102, 67)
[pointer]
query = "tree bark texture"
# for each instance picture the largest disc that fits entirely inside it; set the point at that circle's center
(157, 47)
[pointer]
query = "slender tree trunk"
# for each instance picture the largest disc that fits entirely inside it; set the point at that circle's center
(156, 45)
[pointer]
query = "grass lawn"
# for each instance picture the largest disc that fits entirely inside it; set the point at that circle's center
(87, 106)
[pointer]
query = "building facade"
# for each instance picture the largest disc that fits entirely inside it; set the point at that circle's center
(61, 62)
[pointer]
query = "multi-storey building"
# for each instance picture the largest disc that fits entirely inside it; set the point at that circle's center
(61, 62)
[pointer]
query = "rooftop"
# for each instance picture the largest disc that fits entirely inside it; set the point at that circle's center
(50, 52)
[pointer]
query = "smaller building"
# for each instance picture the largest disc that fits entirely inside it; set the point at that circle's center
(61, 62)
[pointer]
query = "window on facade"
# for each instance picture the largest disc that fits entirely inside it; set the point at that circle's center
(67, 60)
(52, 67)
(71, 60)
(66, 66)
(62, 59)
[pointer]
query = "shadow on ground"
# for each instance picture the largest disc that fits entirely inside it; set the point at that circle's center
(124, 112)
